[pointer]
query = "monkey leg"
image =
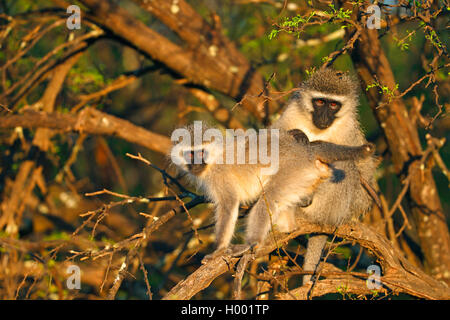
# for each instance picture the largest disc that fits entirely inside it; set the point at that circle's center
(260, 220)
(279, 197)
(313, 254)
(226, 217)
(226, 214)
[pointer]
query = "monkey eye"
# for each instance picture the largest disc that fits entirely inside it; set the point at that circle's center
(195, 154)
(320, 102)
(188, 155)
(334, 105)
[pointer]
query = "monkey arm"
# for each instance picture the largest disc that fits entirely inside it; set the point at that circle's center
(329, 152)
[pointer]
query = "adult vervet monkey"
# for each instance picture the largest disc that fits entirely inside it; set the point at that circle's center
(325, 108)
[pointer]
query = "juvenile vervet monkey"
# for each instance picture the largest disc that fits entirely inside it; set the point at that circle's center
(228, 182)
(325, 108)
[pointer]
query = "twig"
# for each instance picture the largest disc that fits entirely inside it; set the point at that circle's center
(144, 271)
(237, 283)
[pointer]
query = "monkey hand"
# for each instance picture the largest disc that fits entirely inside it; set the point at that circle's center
(369, 148)
(305, 201)
(299, 136)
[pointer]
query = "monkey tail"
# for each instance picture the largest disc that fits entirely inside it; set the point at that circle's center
(316, 243)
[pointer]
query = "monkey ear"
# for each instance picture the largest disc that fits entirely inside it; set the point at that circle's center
(323, 168)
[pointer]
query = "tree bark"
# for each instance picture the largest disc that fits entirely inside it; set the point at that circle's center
(399, 275)
(402, 137)
(209, 60)
(90, 121)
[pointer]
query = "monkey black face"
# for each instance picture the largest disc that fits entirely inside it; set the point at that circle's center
(325, 111)
(196, 160)
(195, 156)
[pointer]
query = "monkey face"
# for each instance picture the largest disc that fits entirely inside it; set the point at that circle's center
(196, 160)
(324, 112)
(195, 156)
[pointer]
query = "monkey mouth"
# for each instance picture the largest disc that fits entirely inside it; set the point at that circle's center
(322, 120)
(197, 169)
(322, 124)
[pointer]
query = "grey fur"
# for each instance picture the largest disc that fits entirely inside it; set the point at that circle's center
(342, 197)
(314, 249)
(332, 82)
(301, 170)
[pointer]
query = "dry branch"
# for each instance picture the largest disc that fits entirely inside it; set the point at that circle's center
(14, 205)
(90, 121)
(399, 275)
(204, 64)
(46, 65)
(147, 231)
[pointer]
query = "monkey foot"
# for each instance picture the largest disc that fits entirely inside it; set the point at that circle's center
(215, 254)
(238, 250)
(234, 251)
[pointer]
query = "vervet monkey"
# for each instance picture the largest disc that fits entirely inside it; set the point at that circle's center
(325, 108)
(219, 171)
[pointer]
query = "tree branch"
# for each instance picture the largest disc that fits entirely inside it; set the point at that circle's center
(199, 64)
(404, 144)
(90, 121)
(399, 275)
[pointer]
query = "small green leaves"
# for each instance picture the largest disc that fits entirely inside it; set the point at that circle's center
(340, 14)
(433, 38)
(326, 59)
(310, 71)
(273, 34)
(292, 25)
(385, 90)
(295, 25)
(404, 42)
